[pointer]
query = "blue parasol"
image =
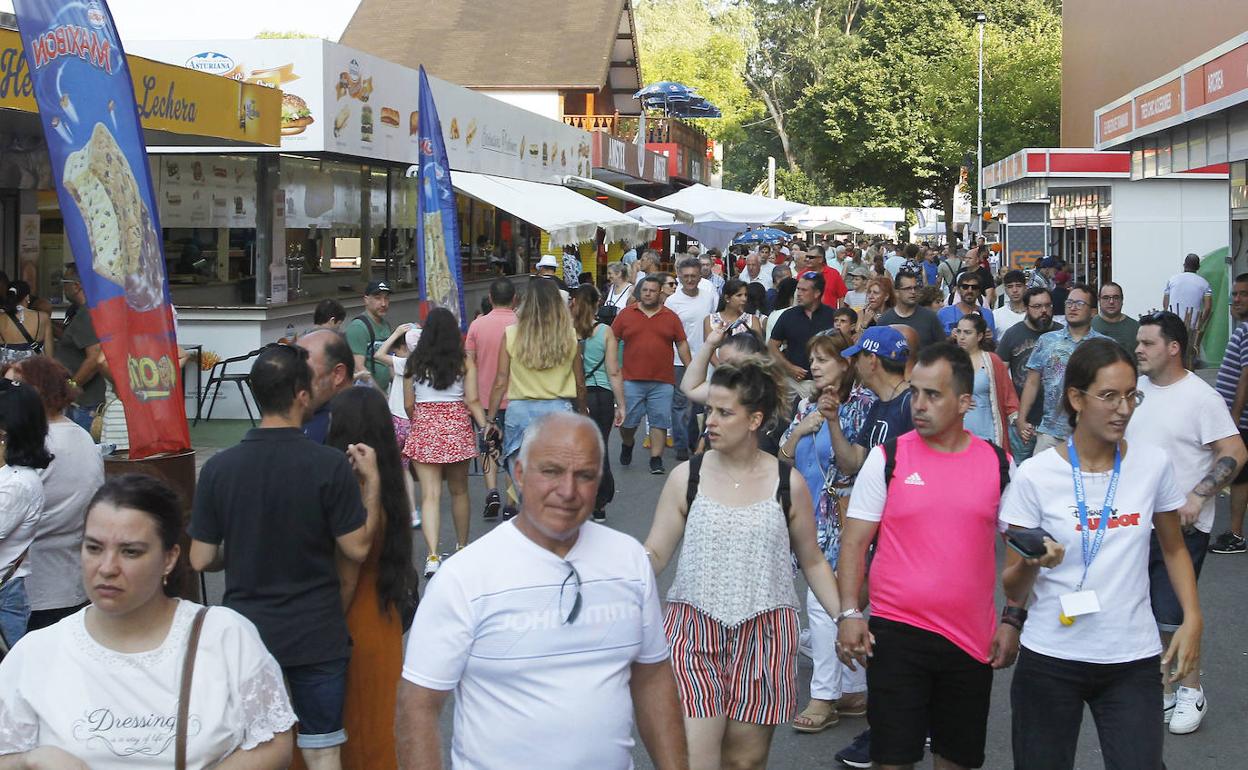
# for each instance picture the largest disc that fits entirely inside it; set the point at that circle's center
(761, 235)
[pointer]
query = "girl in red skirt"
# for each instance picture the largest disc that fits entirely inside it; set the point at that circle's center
(440, 394)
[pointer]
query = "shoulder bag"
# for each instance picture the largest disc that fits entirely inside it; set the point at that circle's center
(184, 695)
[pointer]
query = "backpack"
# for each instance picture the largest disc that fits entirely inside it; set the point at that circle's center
(890, 463)
(782, 490)
(369, 361)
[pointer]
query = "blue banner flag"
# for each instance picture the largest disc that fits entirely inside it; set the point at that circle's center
(441, 272)
(81, 83)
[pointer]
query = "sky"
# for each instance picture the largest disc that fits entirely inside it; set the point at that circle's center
(187, 20)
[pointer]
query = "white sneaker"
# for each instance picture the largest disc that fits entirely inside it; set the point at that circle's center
(1167, 706)
(803, 644)
(416, 519)
(431, 565)
(1189, 709)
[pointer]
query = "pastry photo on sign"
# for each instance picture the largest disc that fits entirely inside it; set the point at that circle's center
(124, 245)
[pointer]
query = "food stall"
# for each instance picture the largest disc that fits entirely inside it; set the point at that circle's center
(1080, 205)
(257, 238)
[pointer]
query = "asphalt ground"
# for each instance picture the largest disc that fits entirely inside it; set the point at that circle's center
(1216, 746)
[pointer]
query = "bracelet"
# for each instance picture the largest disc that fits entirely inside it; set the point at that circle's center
(783, 453)
(1014, 616)
(853, 613)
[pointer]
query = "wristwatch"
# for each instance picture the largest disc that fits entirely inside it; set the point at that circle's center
(850, 613)
(1014, 616)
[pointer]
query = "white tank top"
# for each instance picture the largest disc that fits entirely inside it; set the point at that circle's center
(424, 393)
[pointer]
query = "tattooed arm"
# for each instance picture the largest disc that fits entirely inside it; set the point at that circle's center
(1230, 455)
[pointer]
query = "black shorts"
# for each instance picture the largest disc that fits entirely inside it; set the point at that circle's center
(1242, 476)
(920, 684)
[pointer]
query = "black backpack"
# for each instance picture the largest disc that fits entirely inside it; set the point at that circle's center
(782, 491)
(369, 361)
(890, 463)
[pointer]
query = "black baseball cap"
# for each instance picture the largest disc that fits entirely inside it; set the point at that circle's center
(376, 287)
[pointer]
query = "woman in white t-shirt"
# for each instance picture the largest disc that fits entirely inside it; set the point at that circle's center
(619, 288)
(1091, 636)
(23, 433)
(440, 394)
(393, 353)
(100, 689)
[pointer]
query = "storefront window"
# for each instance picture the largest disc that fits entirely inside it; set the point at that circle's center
(493, 241)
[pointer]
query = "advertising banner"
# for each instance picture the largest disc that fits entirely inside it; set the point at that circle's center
(441, 274)
(87, 107)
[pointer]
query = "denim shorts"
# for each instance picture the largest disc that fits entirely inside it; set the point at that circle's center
(521, 412)
(1166, 608)
(650, 398)
(317, 694)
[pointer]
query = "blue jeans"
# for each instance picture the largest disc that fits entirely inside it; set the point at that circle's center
(1022, 450)
(650, 399)
(318, 692)
(680, 414)
(83, 415)
(14, 610)
(521, 412)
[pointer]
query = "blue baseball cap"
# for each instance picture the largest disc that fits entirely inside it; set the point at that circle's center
(883, 341)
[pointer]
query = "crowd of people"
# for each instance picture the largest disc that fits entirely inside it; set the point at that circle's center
(880, 416)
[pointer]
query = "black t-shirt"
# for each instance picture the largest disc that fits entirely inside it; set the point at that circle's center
(924, 322)
(277, 501)
(794, 328)
(886, 420)
(1015, 349)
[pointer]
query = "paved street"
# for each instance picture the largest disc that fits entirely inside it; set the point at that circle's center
(1216, 746)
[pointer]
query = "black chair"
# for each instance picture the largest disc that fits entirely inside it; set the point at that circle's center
(220, 375)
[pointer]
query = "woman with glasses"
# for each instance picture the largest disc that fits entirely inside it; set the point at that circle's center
(995, 401)
(669, 284)
(731, 615)
(1089, 636)
(835, 690)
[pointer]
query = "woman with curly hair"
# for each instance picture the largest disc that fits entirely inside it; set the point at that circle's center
(379, 595)
(54, 585)
(440, 394)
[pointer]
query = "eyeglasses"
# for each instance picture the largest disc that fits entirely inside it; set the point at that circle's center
(1076, 303)
(570, 618)
(1111, 298)
(1114, 400)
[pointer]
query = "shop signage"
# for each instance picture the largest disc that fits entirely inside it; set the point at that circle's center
(1158, 104)
(168, 98)
(614, 154)
(337, 99)
(82, 84)
(441, 273)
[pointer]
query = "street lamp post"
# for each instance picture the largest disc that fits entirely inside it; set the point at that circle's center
(980, 20)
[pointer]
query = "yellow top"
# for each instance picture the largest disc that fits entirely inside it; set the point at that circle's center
(525, 383)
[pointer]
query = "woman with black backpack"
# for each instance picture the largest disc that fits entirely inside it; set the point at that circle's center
(604, 383)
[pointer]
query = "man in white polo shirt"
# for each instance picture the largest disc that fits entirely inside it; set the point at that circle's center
(549, 631)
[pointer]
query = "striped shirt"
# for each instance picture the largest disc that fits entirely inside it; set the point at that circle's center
(1233, 363)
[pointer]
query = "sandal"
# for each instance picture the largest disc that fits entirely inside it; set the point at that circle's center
(814, 720)
(852, 705)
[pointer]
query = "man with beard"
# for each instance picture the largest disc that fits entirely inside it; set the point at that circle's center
(1015, 350)
(908, 312)
(970, 288)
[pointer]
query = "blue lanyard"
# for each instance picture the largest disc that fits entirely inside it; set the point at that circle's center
(1090, 550)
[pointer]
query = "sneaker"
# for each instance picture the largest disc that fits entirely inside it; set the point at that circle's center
(803, 644)
(1167, 706)
(509, 512)
(431, 565)
(626, 454)
(656, 466)
(1190, 708)
(858, 752)
(1228, 542)
(416, 519)
(493, 504)
(600, 515)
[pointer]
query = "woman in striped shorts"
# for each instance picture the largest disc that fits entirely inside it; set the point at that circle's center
(731, 616)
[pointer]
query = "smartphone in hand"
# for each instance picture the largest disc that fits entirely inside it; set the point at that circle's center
(1028, 542)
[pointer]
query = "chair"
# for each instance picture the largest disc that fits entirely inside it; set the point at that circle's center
(220, 375)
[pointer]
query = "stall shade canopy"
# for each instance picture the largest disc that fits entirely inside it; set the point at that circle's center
(568, 217)
(718, 215)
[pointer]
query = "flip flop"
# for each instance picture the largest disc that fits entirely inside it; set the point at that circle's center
(817, 721)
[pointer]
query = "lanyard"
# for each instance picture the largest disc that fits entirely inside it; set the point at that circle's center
(1090, 550)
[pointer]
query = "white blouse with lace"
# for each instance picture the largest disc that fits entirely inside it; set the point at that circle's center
(59, 687)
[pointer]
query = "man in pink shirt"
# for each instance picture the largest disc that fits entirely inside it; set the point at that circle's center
(485, 337)
(932, 495)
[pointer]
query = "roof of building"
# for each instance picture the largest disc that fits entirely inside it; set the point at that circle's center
(500, 43)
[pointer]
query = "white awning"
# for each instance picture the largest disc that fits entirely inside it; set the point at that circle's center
(568, 216)
(718, 215)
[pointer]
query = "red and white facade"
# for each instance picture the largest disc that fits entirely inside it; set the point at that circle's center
(1080, 205)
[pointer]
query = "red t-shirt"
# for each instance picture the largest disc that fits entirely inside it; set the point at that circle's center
(834, 288)
(648, 342)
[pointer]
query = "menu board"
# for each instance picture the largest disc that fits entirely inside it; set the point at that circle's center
(205, 190)
(338, 99)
